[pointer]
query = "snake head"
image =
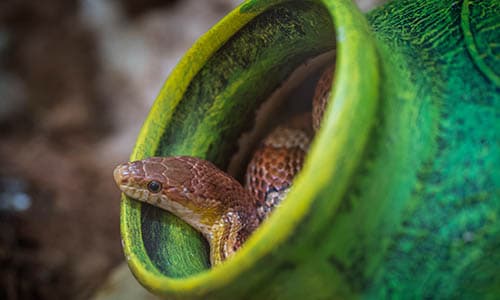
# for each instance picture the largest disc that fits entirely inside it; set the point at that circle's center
(163, 181)
(142, 180)
(191, 188)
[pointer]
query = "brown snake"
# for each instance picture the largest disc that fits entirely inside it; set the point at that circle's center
(213, 202)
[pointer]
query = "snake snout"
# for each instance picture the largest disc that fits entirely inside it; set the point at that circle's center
(124, 174)
(129, 177)
(129, 173)
(120, 174)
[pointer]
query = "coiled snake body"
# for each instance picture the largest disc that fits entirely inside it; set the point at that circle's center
(213, 202)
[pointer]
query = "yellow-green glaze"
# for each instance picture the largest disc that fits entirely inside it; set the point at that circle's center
(400, 194)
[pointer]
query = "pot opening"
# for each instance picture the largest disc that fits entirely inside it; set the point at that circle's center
(292, 98)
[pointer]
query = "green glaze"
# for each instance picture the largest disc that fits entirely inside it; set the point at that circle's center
(400, 194)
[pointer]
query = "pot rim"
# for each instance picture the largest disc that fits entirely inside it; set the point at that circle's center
(348, 119)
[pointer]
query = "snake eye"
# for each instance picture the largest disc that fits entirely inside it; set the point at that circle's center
(154, 186)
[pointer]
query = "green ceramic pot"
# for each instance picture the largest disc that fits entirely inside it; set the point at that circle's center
(400, 193)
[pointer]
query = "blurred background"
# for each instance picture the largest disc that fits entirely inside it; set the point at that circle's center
(77, 78)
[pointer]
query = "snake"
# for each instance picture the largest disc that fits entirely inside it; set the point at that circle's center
(217, 205)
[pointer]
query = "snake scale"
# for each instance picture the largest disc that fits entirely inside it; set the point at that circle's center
(210, 200)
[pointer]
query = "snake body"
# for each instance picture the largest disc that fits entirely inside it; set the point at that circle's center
(276, 161)
(210, 200)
